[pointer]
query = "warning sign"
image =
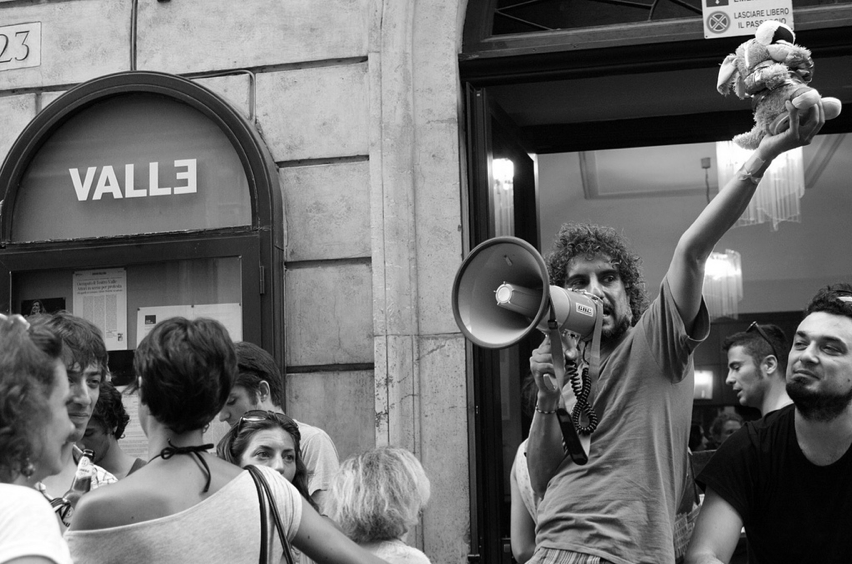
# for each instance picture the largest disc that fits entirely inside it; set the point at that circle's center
(727, 18)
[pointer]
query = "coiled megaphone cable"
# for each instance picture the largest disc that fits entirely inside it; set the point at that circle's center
(582, 386)
(570, 424)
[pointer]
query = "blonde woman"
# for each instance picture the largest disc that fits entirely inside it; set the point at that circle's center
(376, 498)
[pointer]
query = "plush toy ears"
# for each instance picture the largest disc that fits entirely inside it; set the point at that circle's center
(784, 33)
(726, 74)
(772, 31)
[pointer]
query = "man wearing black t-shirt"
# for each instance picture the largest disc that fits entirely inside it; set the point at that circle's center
(786, 477)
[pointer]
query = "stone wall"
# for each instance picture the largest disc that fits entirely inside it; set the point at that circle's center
(358, 101)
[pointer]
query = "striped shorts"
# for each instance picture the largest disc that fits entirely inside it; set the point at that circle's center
(554, 556)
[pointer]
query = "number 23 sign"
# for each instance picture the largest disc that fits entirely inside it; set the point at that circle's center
(20, 46)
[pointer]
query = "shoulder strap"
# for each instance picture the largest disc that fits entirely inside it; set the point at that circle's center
(262, 504)
(265, 493)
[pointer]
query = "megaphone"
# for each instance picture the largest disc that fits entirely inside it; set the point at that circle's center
(502, 292)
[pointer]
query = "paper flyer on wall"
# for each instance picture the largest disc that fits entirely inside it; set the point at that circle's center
(101, 297)
(229, 315)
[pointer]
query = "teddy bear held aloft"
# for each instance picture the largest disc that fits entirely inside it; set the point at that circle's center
(771, 69)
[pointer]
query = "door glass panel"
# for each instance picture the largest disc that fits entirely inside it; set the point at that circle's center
(196, 287)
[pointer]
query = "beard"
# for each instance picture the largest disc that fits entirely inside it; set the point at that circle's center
(620, 328)
(817, 406)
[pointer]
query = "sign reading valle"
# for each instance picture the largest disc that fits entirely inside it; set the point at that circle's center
(129, 164)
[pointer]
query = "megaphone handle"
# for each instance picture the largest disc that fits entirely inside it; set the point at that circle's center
(569, 432)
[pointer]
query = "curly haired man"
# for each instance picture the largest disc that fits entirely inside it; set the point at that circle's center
(620, 506)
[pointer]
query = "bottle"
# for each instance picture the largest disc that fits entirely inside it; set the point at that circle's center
(82, 480)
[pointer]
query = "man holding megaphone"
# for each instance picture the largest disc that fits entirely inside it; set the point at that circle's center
(620, 505)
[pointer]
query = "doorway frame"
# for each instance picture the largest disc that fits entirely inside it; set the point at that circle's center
(262, 242)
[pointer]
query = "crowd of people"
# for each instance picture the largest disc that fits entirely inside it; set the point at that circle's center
(255, 499)
(274, 489)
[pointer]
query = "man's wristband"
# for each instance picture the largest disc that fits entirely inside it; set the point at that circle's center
(544, 412)
(750, 169)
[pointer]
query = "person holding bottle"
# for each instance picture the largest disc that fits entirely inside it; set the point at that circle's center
(85, 358)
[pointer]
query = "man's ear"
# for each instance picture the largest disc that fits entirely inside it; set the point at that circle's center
(771, 364)
(263, 390)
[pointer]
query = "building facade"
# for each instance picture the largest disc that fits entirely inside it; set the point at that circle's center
(362, 108)
(358, 104)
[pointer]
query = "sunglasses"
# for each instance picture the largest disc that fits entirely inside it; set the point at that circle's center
(755, 327)
(260, 415)
(843, 296)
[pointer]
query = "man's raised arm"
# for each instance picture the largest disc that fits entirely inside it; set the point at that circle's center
(686, 271)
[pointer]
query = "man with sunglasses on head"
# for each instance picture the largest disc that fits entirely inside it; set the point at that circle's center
(786, 477)
(260, 386)
(757, 367)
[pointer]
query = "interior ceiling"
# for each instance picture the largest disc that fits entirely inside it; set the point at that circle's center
(666, 107)
(633, 110)
(633, 96)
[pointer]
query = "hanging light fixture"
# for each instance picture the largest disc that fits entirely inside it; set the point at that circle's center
(723, 284)
(503, 174)
(777, 196)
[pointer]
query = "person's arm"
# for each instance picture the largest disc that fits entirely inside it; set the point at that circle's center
(319, 498)
(323, 543)
(686, 271)
(521, 525)
(544, 449)
(716, 532)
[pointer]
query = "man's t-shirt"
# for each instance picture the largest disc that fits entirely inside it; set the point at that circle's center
(319, 455)
(793, 510)
(621, 505)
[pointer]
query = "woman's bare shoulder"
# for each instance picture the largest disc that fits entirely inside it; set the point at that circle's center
(113, 505)
(151, 493)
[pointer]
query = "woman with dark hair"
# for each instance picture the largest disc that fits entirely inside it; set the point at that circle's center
(36, 437)
(267, 438)
(187, 505)
(697, 439)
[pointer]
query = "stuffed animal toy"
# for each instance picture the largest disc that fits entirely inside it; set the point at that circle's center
(771, 69)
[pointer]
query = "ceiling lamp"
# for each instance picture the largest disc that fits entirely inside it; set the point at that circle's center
(503, 174)
(723, 284)
(777, 195)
